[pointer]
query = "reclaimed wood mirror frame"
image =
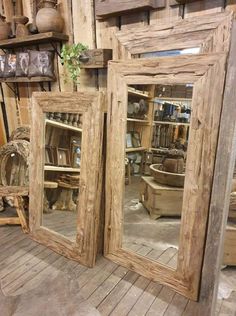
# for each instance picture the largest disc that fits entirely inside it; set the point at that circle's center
(207, 74)
(211, 33)
(90, 105)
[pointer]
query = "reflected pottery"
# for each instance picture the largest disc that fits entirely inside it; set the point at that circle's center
(167, 178)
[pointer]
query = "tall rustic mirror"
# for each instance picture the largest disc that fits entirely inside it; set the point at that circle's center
(163, 124)
(65, 175)
(158, 123)
(62, 167)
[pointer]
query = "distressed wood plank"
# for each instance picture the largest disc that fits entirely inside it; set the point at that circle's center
(198, 8)
(220, 202)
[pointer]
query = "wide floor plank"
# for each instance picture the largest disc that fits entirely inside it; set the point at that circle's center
(108, 287)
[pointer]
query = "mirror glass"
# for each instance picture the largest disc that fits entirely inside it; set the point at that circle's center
(158, 122)
(175, 52)
(62, 163)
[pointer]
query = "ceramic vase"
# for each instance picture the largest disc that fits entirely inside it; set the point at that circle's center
(48, 19)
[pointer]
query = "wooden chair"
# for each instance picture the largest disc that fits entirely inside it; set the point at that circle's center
(17, 193)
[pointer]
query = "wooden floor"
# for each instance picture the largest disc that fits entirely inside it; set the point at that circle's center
(111, 289)
(61, 222)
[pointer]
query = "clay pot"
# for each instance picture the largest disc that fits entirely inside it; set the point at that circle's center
(173, 165)
(48, 19)
(5, 28)
(173, 161)
(21, 28)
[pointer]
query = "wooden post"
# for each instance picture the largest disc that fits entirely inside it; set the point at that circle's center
(220, 196)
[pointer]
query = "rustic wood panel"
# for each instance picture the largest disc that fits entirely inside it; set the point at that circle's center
(84, 31)
(220, 196)
(169, 14)
(198, 8)
(65, 8)
(108, 8)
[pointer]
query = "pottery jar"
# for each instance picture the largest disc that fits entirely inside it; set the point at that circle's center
(48, 19)
(5, 28)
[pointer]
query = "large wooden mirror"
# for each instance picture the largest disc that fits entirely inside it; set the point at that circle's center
(160, 164)
(65, 183)
(209, 33)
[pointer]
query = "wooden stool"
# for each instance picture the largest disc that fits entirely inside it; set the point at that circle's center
(161, 200)
(48, 185)
(17, 193)
(65, 200)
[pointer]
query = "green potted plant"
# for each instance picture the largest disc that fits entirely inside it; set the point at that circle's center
(72, 56)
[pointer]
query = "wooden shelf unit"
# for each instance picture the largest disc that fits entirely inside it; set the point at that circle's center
(62, 125)
(142, 126)
(171, 123)
(137, 121)
(138, 93)
(41, 38)
(61, 169)
(130, 150)
(171, 99)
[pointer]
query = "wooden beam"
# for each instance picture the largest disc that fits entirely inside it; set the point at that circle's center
(35, 39)
(8, 10)
(105, 9)
(84, 32)
(97, 58)
(177, 2)
(13, 191)
(220, 196)
(10, 221)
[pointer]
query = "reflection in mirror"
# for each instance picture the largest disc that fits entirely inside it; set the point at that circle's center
(158, 121)
(63, 136)
(174, 52)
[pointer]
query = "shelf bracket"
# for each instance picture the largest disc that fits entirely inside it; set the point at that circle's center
(55, 49)
(42, 87)
(14, 90)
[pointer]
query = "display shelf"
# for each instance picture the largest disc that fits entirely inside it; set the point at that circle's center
(63, 126)
(27, 80)
(61, 169)
(171, 123)
(138, 93)
(158, 149)
(130, 150)
(36, 39)
(171, 99)
(137, 120)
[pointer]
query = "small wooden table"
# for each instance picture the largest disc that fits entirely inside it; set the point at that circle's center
(48, 185)
(65, 200)
(161, 200)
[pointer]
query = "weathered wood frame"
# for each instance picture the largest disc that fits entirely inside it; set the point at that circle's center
(91, 105)
(210, 32)
(207, 73)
